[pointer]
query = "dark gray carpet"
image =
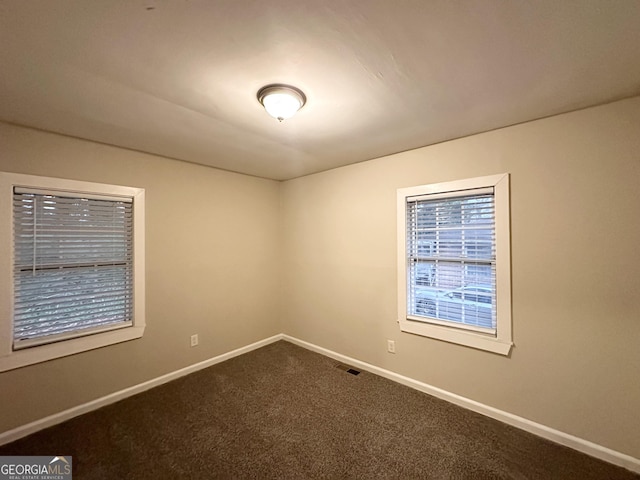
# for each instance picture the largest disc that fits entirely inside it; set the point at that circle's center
(283, 412)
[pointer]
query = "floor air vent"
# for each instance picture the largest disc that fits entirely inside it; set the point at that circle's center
(348, 369)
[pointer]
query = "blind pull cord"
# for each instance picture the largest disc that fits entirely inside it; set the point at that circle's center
(35, 233)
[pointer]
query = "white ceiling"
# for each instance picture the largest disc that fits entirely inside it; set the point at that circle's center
(179, 77)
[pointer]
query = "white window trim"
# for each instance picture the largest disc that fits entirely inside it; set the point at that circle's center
(502, 342)
(10, 359)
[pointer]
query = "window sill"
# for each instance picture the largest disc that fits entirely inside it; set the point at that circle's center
(460, 337)
(42, 353)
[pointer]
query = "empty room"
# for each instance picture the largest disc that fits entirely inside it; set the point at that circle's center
(320, 239)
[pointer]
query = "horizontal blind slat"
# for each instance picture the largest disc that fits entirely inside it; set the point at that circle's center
(118, 311)
(60, 194)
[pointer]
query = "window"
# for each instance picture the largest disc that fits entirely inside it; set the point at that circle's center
(454, 280)
(75, 277)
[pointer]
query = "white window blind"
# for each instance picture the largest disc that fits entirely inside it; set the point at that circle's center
(73, 265)
(451, 259)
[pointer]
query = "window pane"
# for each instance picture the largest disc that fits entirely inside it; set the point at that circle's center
(451, 259)
(73, 264)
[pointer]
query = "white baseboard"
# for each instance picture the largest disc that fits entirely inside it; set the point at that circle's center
(579, 444)
(24, 430)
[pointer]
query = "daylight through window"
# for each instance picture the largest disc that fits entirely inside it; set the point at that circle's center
(73, 265)
(451, 259)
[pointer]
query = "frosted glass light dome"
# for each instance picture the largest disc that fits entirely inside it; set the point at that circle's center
(281, 101)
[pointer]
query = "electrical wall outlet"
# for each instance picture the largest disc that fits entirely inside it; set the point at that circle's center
(194, 340)
(391, 346)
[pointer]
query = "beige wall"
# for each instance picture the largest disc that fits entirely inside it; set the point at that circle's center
(212, 269)
(218, 243)
(575, 208)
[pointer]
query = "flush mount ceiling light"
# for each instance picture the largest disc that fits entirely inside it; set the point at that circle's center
(281, 101)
